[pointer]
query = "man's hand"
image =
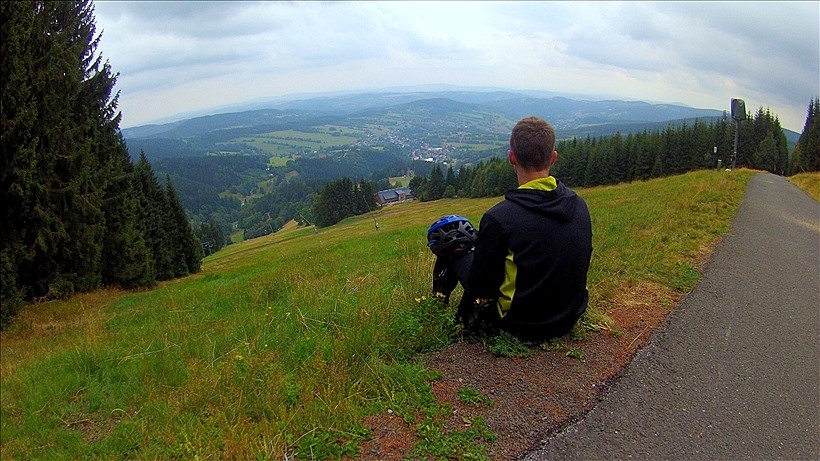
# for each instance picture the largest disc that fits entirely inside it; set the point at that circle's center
(444, 279)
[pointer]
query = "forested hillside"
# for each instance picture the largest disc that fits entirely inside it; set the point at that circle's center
(619, 158)
(255, 170)
(77, 212)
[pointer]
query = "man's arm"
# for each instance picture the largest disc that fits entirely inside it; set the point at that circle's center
(444, 279)
(487, 269)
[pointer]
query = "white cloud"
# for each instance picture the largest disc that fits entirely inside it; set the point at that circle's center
(175, 57)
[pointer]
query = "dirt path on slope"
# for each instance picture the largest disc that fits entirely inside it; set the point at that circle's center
(534, 396)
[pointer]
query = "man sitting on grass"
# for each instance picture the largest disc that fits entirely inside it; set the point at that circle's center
(526, 270)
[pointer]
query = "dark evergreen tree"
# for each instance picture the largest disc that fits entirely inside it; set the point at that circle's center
(598, 169)
(645, 154)
(477, 186)
(211, 236)
(619, 163)
(464, 177)
(807, 152)
(69, 201)
(436, 186)
(416, 185)
(765, 157)
(746, 143)
(127, 260)
(700, 152)
(185, 247)
(507, 179)
(20, 150)
(153, 216)
(338, 200)
(724, 136)
(572, 162)
(70, 210)
(62, 226)
(366, 196)
(450, 179)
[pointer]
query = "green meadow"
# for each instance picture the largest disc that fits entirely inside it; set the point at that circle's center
(282, 345)
(283, 143)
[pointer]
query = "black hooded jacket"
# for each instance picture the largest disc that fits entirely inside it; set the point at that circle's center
(531, 260)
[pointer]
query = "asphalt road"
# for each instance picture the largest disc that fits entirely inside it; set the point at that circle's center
(735, 371)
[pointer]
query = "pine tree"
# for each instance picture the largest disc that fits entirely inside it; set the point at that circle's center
(127, 260)
(416, 185)
(186, 250)
(435, 189)
(598, 165)
(366, 195)
(618, 160)
(647, 152)
(18, 118)
(765, 157)
(153, 216)
(450, 179)
(807, 152)
(212, 237)
(465, 175)
(55, 94)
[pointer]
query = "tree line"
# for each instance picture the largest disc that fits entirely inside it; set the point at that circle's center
(341, 199)
(615, 159)
(78, 213)
(806, 155)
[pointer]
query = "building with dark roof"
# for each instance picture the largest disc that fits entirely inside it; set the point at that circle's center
(398, 194)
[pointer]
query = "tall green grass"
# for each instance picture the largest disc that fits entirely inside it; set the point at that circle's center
(283, 344)
(809, 182)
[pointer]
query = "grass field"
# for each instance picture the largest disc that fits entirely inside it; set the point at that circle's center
(809, 182)
(284, 143)
(400, 181)
(283, 344)
(276, 162)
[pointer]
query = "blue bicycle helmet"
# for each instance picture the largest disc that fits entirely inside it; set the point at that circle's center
(452, 232)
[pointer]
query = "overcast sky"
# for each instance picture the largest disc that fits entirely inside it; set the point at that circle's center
(180, 57)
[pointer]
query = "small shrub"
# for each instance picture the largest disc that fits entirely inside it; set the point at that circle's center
(424, 326)
(554, 345)
(61, 289)
(472, 396)
(575, 353)
(438, 443)
(506, 345)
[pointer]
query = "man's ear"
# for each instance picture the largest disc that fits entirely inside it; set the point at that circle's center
(512, 158)
(553, 157)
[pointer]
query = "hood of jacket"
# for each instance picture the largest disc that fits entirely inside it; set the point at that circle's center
(558, 204)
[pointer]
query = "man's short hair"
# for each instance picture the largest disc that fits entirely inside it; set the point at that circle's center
(533, 141)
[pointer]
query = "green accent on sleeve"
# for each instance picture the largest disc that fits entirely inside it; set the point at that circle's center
(547, 184)
(508, 285)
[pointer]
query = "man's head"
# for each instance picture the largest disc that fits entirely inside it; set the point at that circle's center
(532, 144)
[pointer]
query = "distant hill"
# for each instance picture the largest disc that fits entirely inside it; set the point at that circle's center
(571, 117)
(561, 112)
(225, 164)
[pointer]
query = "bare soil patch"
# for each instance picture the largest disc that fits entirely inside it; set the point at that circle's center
(531, 397)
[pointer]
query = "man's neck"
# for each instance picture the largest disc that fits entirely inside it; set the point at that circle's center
(525, 176)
